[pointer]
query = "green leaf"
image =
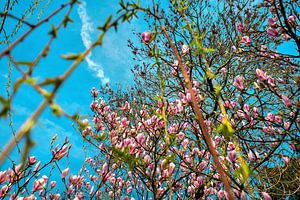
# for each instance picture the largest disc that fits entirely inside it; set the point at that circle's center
(53, 31)
(218, 90)
(208, 50)
(243, 172)
(67, 19)
(225, 128)
(30, 81)
(56, 109)
(210, 73)
(5, 106)
(70, 56)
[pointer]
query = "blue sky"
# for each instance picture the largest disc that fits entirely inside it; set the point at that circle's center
(110, 63)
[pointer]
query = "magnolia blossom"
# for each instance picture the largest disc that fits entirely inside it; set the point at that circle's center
(129, 190)
(30, 197)
(60, 153)
(185, 143)
(32, 160)
(232, 156)
(52, 184)
(271, 82)
(64, 173)
(3, 177)
(271, 22)
(176, 63)
(266, 196)
(185, 49)
(37, 166)
(286, 160)
(239, 82)
(40, 184)
(272, 32)
(286, 101)
(171, 168)
(286, 36)
(246, 40)
(140, 138)
(292, 19)
(146, 37)
(241, 27)
(104, 168)
(224, 70)
(262, 75)
(94, 92)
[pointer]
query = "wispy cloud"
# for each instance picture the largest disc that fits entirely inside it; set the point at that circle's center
(87, 29)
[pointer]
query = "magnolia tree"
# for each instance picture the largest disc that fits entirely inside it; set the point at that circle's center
(213, 113)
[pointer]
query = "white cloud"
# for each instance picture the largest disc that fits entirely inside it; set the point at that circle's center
(87, 29)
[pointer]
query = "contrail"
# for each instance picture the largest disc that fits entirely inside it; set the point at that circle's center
(87, 28)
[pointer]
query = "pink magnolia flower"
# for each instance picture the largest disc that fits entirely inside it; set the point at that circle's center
(185, 49)
(160, 190)
(147, 159)
(272, 32)
(230, 146)
(39, 184)
(185, 143)
(171, 168)
(286, 36)
(52, 184)
(224, 70)
(60, 153)
(32, 160)
(30, 197)
(126, 106)
(292, 147)
(255, 110)
(232, 156)
(181, 135)
(246, 40)
(251, 156)
(233, 48)
(262, 75)
(3, 177)
(246, 107)
(104, 168)
(94, 92)
(239, 82)
(266, 196)
(221, 194)
(271, 22)
(232, 104)
(292, 19)
(85, 122)
(64, 173)
(286, 101)
(129, 190)
(241, 27)
(37, 166)
(278, 119)
(270, 117)
(91, 190)
(79, 196)
(243, 195)
(286, 160)
(271, 82)
(140, 138)
(146, 37)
